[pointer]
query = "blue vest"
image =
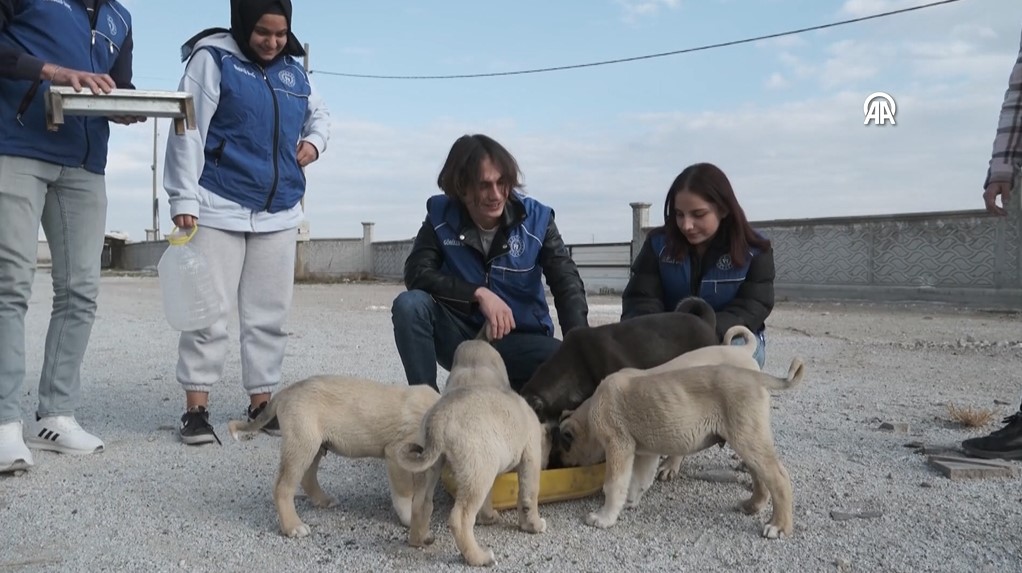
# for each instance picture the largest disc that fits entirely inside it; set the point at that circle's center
(514, 275)
(58, 31)
(252, 142)
(720, 282)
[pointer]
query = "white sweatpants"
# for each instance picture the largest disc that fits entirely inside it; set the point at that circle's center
(253, 272)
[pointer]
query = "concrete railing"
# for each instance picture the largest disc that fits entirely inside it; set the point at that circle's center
(969, 258)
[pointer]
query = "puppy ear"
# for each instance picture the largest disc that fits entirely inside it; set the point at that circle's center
(565, 438)
(537, 405)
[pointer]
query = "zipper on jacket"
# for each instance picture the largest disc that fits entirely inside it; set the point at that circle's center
(218, 153)
(276, 142)
(92, 61)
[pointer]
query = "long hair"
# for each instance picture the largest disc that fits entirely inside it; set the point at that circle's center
(709, 182)
(460, 173)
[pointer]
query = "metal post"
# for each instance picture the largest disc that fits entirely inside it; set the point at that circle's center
(156, 200)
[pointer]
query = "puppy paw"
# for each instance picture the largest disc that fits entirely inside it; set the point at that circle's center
(533, 526)
(483, 559)
(421, 540)
(771, 531)
(487, 517)
(667, 474)
(596, 519)
(300, 530)
(323, 501)
(631, 503)
(751, 506)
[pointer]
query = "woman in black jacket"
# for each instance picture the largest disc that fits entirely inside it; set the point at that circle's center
(705, 248)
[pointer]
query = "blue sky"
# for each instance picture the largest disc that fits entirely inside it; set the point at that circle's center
(782, 117)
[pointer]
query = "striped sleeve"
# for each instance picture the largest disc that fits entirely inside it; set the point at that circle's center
(1007, 153)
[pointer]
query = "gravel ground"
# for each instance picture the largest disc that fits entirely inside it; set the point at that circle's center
(151, 504)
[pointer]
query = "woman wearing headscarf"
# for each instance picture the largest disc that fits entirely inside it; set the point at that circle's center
(240, 177)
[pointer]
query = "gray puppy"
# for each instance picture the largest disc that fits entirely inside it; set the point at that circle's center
(588, 355)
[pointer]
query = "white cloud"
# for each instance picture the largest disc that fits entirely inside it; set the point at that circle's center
(776, 81)
(860, 8)
(635, 9)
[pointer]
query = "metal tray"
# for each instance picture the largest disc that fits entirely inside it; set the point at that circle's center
(64, 100)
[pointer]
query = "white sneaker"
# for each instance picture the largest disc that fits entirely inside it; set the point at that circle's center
(14, 456)
(62, 434)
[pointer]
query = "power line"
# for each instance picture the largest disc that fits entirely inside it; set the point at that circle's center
(637, 58)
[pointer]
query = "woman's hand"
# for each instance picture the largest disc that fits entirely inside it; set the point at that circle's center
(307, 153)
(185, 221)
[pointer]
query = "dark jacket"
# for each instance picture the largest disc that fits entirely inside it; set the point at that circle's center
(424, 267)
(752, 303)
(36, 31)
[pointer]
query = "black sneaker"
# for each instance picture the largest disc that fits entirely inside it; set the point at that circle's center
(195, 427)
(272, 427)
(1005, 443)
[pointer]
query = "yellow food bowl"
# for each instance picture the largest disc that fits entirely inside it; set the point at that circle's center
(554, 485)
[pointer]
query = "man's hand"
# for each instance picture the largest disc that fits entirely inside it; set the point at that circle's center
(126, 119)
(499, 319)
(61, 76)
(994, 189)
(185, 221)
(307, 153)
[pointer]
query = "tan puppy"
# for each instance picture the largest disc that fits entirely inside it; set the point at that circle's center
(350, 417)
(684, 411)
(480, 428)
(578, 447)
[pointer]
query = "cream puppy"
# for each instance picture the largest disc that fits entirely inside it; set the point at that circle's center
(638, 419)
(351, 417)
(480, 428)
(578, 447)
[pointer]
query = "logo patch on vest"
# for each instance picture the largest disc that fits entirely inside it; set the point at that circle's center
(287, 77)
(515, 246)
(111, 24)
(453, 243)
(724, 263)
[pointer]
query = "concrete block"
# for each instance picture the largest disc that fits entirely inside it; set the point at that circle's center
(958, 468)
(899, 427)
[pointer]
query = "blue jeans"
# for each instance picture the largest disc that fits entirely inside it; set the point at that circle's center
(427, 332)
(70, 203)
(760, 354)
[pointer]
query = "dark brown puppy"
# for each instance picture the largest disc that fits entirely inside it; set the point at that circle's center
(588, 355)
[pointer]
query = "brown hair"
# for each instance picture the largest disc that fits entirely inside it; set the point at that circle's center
(709, 182)
(460, 172)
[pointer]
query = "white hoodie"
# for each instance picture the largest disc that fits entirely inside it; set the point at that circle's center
(185, 156)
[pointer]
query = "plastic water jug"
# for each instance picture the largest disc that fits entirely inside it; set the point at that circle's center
(189, 300)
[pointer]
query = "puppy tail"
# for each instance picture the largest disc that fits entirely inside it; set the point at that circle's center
(795, 373)
(246, 430)
(751, 342)
(699, 307)
(415, 458)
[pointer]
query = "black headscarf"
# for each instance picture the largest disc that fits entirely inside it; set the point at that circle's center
(244, 16)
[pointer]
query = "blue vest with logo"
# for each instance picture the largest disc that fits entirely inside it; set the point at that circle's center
(252, 141)
(718, 286)
(59, 32)
(514, 275)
